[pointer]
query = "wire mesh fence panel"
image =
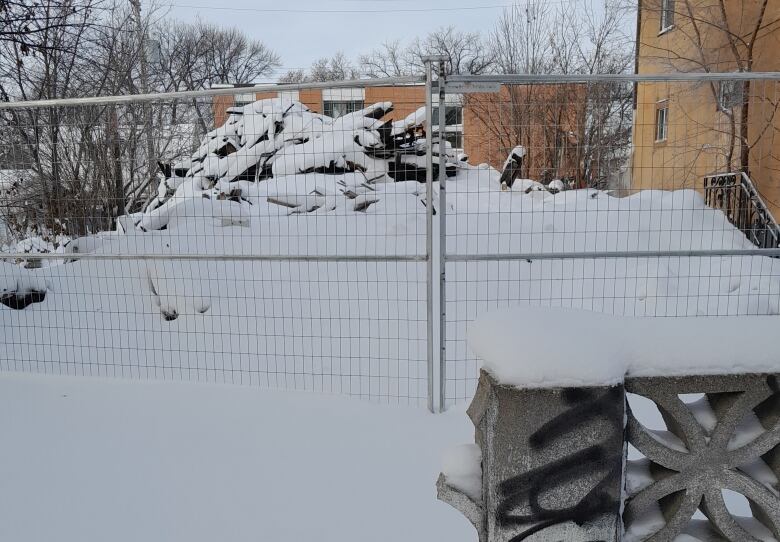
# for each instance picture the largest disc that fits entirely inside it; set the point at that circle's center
(284, 236)
(640, 196)
(265, 236)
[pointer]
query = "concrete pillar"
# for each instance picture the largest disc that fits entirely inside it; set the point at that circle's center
(552, 464)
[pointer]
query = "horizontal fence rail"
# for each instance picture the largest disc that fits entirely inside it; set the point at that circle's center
(212, 92)
(210, 257)
(514, 79)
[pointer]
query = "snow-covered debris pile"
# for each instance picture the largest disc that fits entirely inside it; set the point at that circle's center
(275, 138)
(601, 349)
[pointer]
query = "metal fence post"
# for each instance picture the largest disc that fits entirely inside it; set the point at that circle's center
(429, 227)
(442, 238)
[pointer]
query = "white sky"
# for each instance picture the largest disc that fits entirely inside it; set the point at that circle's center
(351, 26)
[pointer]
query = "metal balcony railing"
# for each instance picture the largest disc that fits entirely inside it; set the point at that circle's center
(735, 195)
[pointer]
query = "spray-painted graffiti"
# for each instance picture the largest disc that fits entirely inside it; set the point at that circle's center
(523, 492)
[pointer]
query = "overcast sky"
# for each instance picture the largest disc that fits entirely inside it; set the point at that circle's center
(316, 28)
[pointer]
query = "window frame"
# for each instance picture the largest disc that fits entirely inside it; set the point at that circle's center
(352, 106)
(447, 108)
(243, 99)
(450, 129)
(738, 92)
(661, 110)
(666, 16)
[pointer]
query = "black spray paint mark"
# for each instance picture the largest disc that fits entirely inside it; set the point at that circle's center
(525, 490)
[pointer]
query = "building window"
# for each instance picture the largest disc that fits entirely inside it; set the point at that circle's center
(240, 100)
(455, 139)
(729, 94)
(293, 95)
(667, 14)
(453, 124)
(339, 108)
(661, 120)
(453, 115)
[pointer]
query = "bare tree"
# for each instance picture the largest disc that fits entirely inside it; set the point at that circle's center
(27, 25)
(464, 52)
(41, 138)
(716, 36)
(335, 68)
(521, 39)
(229, 56)
(576, 131)
(293, 76)
(599, 46)
(389, 60)
(82, 167)
(519, 43)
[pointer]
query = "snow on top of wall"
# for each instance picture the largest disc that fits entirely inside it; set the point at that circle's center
(534, 347)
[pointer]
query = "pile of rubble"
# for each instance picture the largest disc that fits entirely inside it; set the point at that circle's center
(276, 137)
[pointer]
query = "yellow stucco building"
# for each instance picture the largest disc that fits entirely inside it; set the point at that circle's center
(686, 130)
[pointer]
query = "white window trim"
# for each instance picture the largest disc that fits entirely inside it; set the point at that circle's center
(453, 99)
(244, 99)
(324, 102)
(344, 94)
(659, 105)
(462, 138)
(293, 95)
(450, 128)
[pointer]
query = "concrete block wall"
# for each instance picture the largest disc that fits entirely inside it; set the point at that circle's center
(555, 466)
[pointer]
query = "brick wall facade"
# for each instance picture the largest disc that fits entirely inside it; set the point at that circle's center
(542, 118)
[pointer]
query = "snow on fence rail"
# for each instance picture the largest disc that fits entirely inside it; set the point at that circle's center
(302, 237)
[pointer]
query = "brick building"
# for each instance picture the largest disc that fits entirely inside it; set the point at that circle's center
(483, 126)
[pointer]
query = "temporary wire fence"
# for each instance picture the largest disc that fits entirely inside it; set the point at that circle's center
(339, 237)
(637, 195)
(237, 235)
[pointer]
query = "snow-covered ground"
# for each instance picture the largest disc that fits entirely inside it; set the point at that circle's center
(90, 460)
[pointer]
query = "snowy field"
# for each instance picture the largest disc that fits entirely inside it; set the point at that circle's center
(91, 460)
